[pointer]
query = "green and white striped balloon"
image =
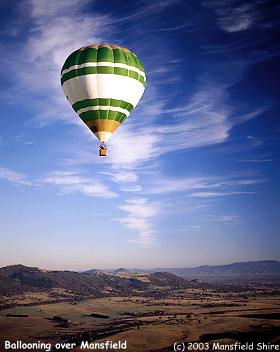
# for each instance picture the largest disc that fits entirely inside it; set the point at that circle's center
(103, 83)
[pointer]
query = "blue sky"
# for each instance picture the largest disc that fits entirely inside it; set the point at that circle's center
(192, 177)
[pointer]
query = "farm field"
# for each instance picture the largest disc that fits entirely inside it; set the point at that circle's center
(148, 323)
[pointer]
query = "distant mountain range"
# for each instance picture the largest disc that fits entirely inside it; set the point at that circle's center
(121, 271)
(254, 270)
(266, 269)
(18, 279)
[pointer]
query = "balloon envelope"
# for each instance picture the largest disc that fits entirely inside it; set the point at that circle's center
(103, 83)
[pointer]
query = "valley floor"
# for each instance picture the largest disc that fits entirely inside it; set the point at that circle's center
(147, 323)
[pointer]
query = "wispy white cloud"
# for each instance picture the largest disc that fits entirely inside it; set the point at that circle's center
(170, 185)
(73, 182)
(140, 213)
(121, 176)
(67, 182)
(204, 119)
(255, 160)
(185, 27)
(14, 177)
(131, 147)
(125, 178)
(147, 10)
(218, 194)
(210, 185)
(228, 218)
(243, 147)
(233, 16)
(22, 139)
(238, 120)
(58, 28)
(132, 188)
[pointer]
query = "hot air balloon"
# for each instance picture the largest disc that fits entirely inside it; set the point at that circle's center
(103, 83)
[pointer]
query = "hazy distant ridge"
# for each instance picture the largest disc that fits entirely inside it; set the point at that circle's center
(257, 269)
(17, 279)
(265, 268)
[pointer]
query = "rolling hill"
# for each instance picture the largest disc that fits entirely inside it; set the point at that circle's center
(18, 279)
(267, 269)
(257, 270)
